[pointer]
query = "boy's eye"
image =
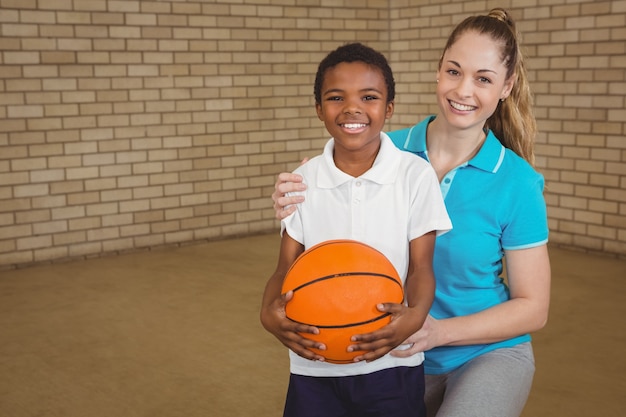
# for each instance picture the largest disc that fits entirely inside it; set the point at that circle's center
(368, 97)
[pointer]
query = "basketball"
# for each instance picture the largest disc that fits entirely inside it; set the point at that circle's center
(337, 285)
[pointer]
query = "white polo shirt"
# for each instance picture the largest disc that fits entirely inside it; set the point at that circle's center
(394, 202)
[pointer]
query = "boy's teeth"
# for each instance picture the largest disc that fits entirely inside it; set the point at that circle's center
(353, 125)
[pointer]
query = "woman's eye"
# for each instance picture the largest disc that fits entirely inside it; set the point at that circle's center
(453, 72)
(484, 80)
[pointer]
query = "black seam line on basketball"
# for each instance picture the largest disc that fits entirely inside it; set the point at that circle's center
(345, 274)
(343, 326)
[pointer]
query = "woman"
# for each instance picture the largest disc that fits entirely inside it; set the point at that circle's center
(479, 360)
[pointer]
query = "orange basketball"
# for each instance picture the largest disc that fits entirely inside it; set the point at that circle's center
(337, 285)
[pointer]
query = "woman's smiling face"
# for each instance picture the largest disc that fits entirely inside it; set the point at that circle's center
(472, 80)
(354, 105)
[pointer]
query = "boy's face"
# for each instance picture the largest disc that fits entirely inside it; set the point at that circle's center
(354, 104)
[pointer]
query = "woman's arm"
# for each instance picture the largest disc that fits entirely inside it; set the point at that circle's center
(528, 272)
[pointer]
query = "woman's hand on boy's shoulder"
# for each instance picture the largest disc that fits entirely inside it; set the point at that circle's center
(287, 182)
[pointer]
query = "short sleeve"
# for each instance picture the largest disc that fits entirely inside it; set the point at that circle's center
(428, 208)
(527, 224)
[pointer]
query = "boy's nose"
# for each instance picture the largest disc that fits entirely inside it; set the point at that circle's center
(352, 108)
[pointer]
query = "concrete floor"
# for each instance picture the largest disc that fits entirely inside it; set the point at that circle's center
(175, 332)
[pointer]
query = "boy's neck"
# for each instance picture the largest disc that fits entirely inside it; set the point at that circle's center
(355, 163)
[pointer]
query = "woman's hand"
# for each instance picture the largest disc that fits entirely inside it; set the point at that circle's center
(404, 321)
(287, 182)
(421, 341)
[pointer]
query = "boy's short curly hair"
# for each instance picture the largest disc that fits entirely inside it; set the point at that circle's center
(355, 52)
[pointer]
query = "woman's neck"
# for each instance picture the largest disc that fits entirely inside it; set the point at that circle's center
(450, 147)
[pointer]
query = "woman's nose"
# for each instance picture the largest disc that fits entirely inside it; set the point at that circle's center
(465, 87)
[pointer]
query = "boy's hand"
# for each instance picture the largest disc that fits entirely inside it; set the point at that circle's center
(405, 321)
(274, 319)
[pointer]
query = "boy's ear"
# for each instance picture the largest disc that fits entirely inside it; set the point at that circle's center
(389, 112)
(318, 109)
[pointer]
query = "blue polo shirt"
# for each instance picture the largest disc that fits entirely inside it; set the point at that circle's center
(495, 202)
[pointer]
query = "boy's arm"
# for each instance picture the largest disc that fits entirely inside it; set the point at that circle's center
(273, 316)
(420, 282)
(419, 291)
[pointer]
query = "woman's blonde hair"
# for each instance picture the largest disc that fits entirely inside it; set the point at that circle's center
(513, 122)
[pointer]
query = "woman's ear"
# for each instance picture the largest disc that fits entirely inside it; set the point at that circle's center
(508, 87)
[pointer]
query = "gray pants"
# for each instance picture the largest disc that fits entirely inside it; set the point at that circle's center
(495, 384)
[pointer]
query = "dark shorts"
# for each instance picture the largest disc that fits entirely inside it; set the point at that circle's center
(395, 392)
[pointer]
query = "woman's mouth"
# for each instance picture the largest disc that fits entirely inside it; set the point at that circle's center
(461, 107)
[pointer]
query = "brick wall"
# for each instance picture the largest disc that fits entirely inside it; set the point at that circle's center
(126, 125)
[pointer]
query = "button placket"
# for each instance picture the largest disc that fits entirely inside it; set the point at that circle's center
(358, 189)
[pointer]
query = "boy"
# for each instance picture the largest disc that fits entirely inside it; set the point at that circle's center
(362, 188)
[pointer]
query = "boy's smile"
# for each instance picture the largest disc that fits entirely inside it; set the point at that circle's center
(354, 126)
